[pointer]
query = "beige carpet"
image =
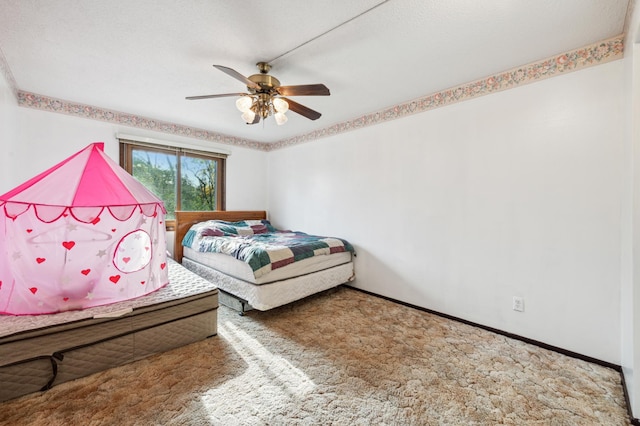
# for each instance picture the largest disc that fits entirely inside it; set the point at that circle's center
(339, 358)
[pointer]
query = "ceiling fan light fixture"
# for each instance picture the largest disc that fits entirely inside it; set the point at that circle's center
(280, 118)
(262, 100)
(280, 105)
(244, 103)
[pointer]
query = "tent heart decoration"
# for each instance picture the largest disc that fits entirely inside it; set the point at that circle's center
(56, 222)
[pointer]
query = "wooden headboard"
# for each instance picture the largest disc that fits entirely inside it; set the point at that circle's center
(184, 220)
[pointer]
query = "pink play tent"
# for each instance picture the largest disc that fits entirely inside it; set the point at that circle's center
(83, 233)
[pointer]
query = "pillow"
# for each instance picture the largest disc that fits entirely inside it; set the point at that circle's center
(219, 228)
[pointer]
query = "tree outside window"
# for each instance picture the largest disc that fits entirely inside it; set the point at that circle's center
(184, 180)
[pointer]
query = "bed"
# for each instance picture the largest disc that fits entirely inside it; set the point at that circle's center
(40, 351)
(240, 286)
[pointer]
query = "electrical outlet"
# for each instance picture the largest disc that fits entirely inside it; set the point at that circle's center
(518, 304)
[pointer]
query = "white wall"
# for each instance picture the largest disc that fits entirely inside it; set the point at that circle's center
(8, 128)
(461, 208)
(630, 295)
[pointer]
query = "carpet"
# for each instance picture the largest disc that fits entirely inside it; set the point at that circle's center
(342, 357)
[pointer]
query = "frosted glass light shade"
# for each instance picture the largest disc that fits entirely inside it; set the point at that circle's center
(280, 105)
(248, 116)
(280, 118)
(244, 103)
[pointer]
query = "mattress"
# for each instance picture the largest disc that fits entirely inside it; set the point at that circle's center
(273, 294)
(40, 351)
(235, 268)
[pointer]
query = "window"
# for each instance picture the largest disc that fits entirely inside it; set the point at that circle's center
(184, 179)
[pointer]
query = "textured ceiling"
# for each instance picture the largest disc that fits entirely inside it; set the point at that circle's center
(143, 57)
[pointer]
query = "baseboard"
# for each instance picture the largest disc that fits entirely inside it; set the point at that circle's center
(634, 421)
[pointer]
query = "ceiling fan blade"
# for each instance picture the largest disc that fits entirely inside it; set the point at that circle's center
(222, 95)
(304, 90)
(303, 110)
(235, 74)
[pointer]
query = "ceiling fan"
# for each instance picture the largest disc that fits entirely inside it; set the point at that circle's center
(267, 97)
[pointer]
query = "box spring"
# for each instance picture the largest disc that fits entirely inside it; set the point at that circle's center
(268, 296)
(49, 351)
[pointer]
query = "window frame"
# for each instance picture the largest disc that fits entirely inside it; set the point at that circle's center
(126, 162)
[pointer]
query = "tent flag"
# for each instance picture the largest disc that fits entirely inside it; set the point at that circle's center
(82, 233)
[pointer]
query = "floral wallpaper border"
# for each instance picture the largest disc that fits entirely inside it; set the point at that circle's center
(32, 100)
(597, 53)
